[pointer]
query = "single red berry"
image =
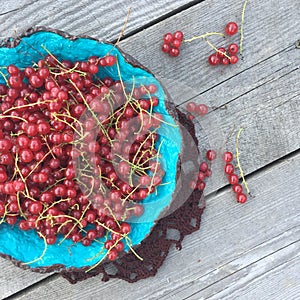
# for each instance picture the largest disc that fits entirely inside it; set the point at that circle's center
(191, 106)
(176, 43)
(221, 52)
(168, 38)
(211, 154)
(233, 49)
(241, 198)
(234, 59)
(229, 169)
(174, 52)
(237, 188)
(165, 48)
(231, 28)
(178, 35)
(233, 179)
(213, 59)
(112, 254)
(202, 109)
(225, 61)
(227, 156)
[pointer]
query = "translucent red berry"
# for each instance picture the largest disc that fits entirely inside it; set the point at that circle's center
(231, 28)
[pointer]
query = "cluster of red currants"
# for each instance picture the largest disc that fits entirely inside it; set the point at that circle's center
(76, 152)
(223, 56)
(233, 178)
(172, 43)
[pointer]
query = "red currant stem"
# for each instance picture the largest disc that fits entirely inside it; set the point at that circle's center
(129, 244)
(120, 77)
(155, 170)
(216, 49)
(13, 117)
(55, 115)
(43, 253)
(238, 160)
(83, 213)
(113, 215)
(122, 31)
(131, 193)
(19, 205)
(242, 26)
(26, 105)
(61, 65)
(203, 36)
(92, 112)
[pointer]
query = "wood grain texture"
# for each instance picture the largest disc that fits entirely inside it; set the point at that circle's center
(235, 245)
(260, 93)
(103, 19)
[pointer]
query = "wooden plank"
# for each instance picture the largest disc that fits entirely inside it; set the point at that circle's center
(232, 239)
(102, 20)
(265, 35)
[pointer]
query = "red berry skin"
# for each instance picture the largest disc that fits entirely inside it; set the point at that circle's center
(233, 179)
(168, 38)
(213, 60)
(165, 48)
(233, 49)
(174, 52)
(176, 43)
(221, 52)
(191, 106)
(178, 35)
(211, 155)
(225, 61)
(237, 188)
(227, 156)
(202, 109)
(229, 169)
(241, 198)
(234, 59)
(231, 28)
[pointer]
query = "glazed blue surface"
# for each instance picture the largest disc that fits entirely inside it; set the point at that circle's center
(27, 246)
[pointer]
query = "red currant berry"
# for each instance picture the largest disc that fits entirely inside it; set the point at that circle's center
(165, 48)
(202, 109)
(231, 28)
(211, 155)
(233, 179)
(234, 59)
(241, 198)
(233, 49)
(229, 169)
(213, 60)
(237, 188)
(227, 156)
(225, 61)
(174, 52)
(168, 38)
(178, 35)
(221, 52)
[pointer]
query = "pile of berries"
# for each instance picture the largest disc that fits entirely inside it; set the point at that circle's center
(77, 153)
(172, 43)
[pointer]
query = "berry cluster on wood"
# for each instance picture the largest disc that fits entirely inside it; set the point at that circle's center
(172, 43)
(233, 178)
(77, 153)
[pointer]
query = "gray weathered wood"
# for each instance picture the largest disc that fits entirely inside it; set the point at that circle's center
(103, 19)
(260, 93)
(236, 244)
